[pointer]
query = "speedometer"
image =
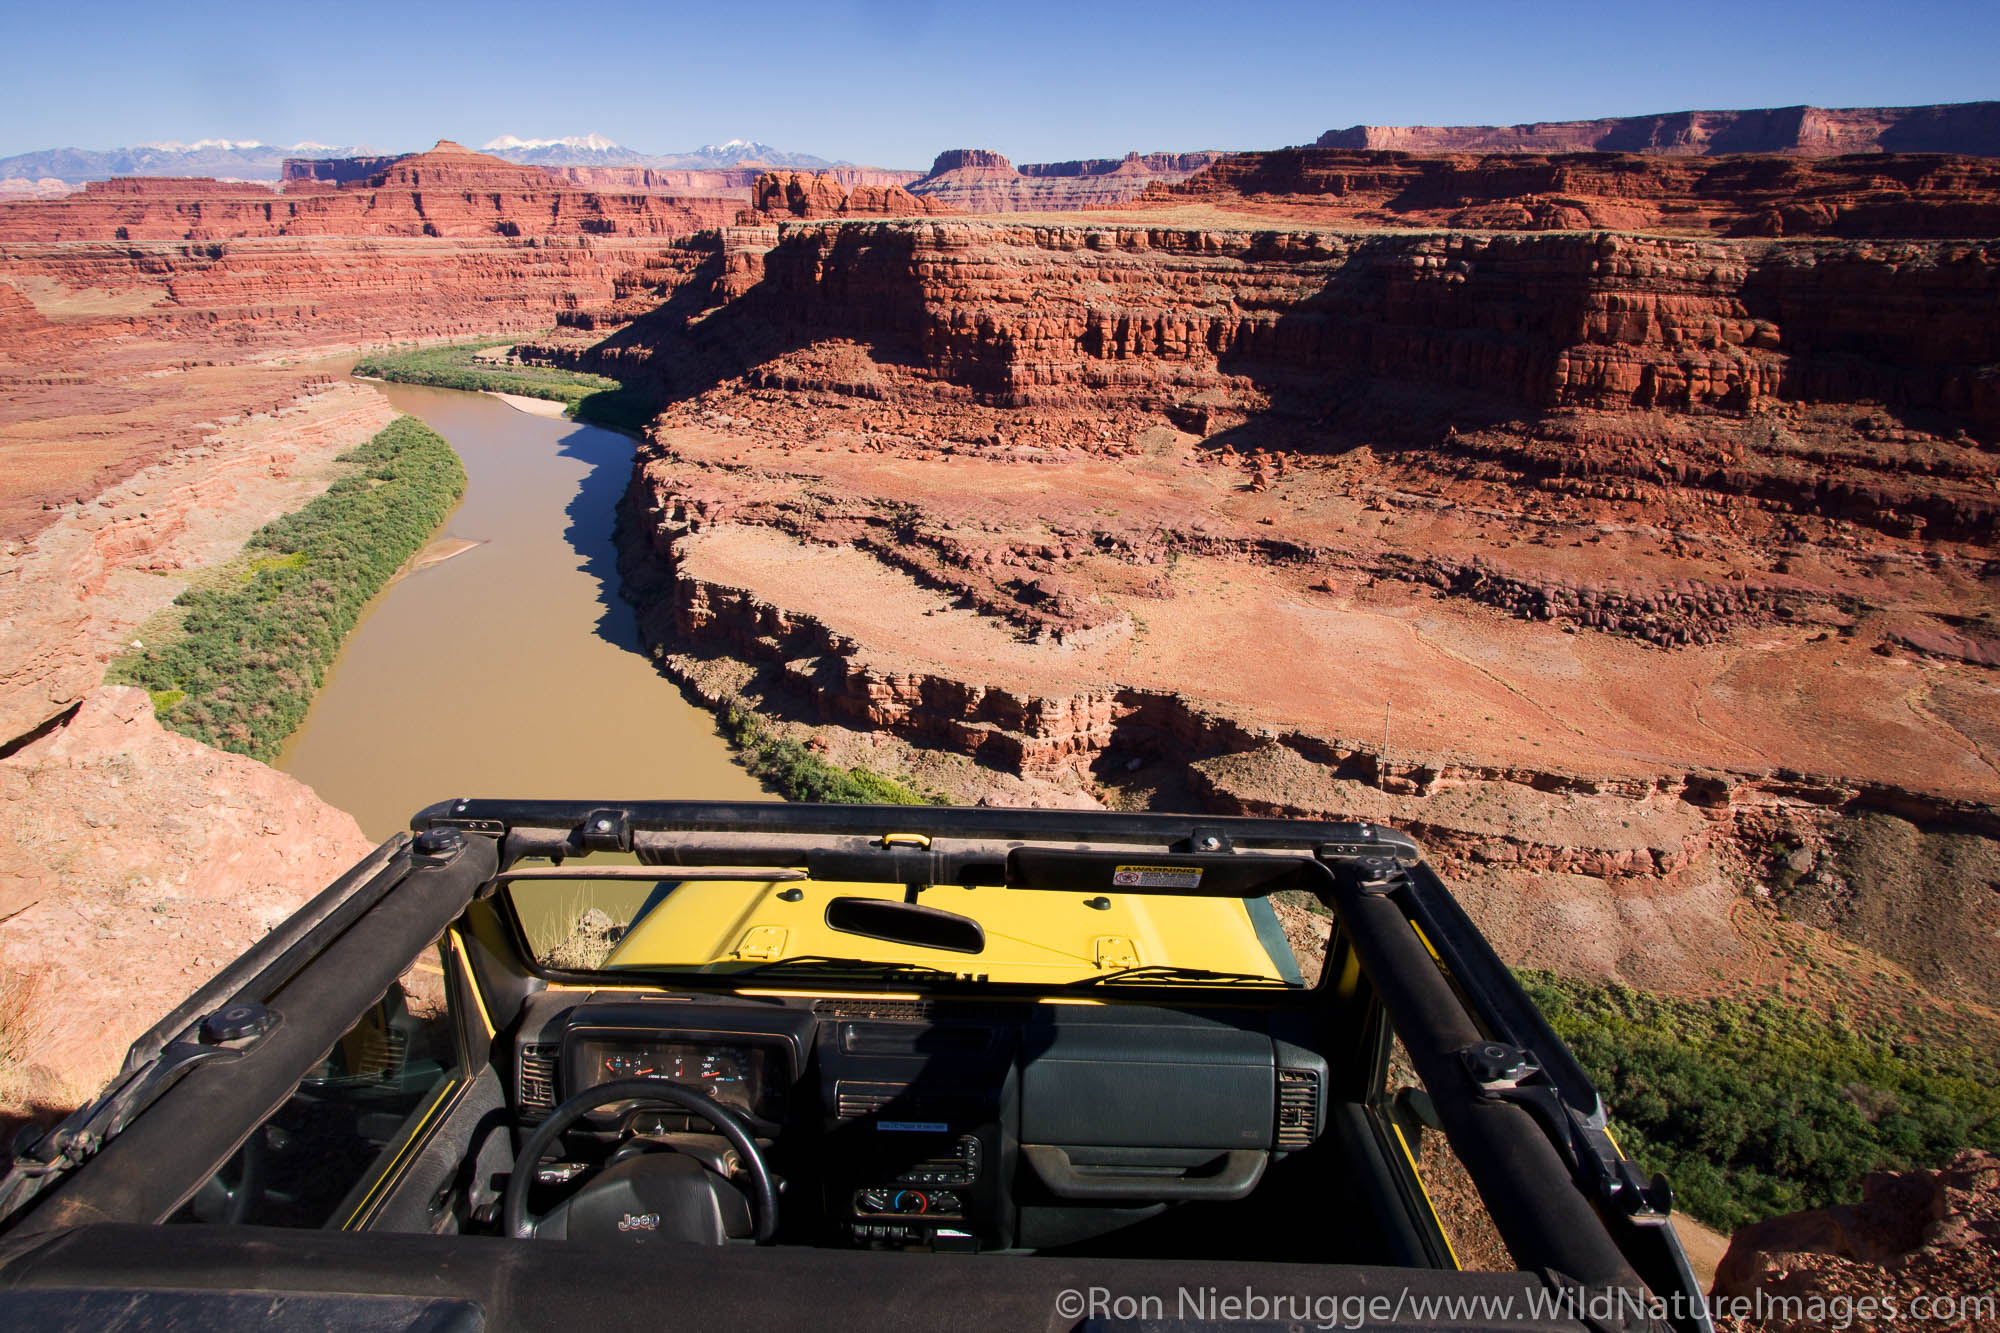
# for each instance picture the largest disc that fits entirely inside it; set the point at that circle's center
(721, 1067)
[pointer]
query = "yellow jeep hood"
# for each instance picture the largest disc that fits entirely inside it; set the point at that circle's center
(725, 926)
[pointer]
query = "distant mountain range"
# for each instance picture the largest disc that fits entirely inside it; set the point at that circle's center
(594, 150)
(229, 159)
(253, 160)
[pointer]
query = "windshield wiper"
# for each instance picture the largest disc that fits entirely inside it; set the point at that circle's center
(827, 965)
(1167, 974)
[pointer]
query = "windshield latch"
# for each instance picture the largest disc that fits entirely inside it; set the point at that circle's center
(607, 830)
(1210, 840)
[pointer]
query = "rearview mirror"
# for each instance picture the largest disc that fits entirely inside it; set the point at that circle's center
(906, 923)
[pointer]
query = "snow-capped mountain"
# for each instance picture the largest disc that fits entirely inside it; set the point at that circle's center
(576, 150)
(737, 151)
(587, 150)
(595, 143)
(229, 159)
(226, 145)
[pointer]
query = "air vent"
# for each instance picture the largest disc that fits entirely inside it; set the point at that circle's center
(915, 1039)
(1298, 1108)
(859, 1008)
(864, 1099)
(535, 1089)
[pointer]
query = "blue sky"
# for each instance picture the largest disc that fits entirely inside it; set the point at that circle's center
(894, 81)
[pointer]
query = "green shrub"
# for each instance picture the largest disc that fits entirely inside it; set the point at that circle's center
(1756, 1111)
(628, 409)
(251, 652)
(801, 775)
(592, 398)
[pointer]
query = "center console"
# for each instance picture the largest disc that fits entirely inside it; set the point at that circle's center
(913, 1115)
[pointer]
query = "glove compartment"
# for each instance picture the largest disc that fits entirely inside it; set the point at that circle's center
(1119, 1077)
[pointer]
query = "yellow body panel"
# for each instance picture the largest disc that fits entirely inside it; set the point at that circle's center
(725, 926)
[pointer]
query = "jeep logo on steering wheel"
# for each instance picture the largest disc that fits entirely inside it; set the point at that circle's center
(639, 1222)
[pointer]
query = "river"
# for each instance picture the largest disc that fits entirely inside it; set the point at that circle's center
(513, 669)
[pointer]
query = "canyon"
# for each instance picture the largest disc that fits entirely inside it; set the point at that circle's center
(1620, 524)
(1604, 562)
(962, 180)
(137, 315)
(163, 393)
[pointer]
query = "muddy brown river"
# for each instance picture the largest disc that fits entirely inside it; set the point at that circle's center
(513, 669)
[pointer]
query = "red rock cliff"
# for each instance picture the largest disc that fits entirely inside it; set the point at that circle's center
(1021, 315)
(448, 191)
(1878, 196)
(799, 194)
(1805, 131)
(974, 180)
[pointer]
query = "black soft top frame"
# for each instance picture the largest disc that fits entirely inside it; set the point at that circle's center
(1517, 1109)
(1520, 1112)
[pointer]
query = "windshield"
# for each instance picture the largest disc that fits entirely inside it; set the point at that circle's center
(775, 930)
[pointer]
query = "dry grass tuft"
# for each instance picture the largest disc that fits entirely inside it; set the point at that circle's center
(588, 943)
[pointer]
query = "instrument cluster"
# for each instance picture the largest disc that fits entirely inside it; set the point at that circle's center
(741, 1077)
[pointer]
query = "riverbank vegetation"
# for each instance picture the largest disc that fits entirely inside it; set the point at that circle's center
(596, 399)
(254, 642)
(798, 773)
(1757, 1110)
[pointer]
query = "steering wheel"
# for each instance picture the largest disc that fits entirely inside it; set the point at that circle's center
(514, 1216)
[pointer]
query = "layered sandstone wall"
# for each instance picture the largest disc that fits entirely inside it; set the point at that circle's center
(974, 180)
(301, 171)
(1132, 164)
(797, 194)
(735, 182)
(135, 315)
(1880, 196)
(732, 182)
(1806, 131)
(447, 192)
(1026, 315)
(315, 292)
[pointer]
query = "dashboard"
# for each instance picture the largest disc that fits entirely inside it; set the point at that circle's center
(948, 1124)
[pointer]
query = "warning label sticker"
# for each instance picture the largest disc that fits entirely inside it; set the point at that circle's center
(1157, 877)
